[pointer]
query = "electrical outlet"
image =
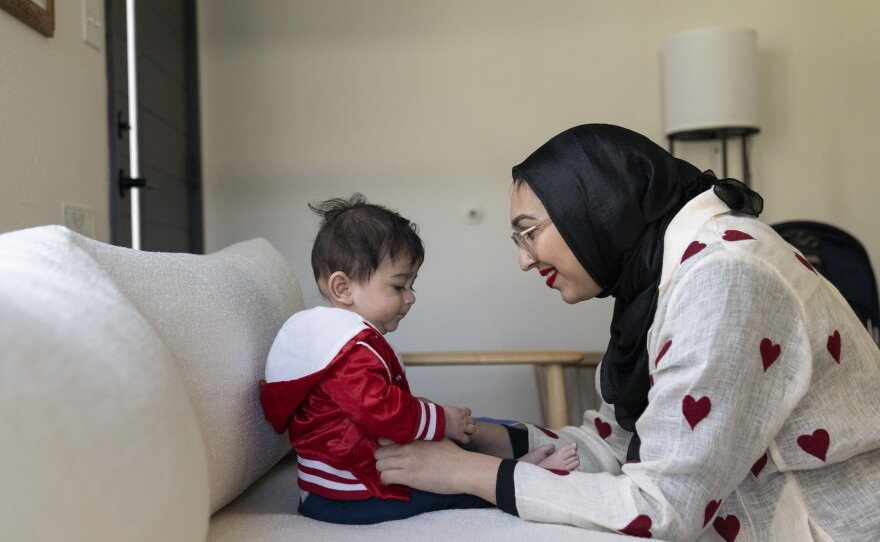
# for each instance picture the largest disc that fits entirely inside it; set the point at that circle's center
(80, 220)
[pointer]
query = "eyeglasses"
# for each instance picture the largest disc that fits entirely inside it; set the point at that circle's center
(523, 238)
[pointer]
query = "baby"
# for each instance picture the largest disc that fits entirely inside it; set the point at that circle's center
(337, 386)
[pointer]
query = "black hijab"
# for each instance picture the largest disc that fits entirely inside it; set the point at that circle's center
(611, 193)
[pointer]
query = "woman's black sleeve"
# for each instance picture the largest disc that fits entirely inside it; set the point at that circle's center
(505, 490)
(519, 440)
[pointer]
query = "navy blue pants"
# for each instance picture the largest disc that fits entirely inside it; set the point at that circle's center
(375, 510)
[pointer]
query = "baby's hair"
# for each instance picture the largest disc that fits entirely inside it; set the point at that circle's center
(355, 237)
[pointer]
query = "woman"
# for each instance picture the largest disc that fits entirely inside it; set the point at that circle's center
(740, 391)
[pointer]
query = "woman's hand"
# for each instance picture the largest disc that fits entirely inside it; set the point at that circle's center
(420, 464)
(439, 467)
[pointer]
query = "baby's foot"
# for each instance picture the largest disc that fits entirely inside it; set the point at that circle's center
(564, 458)
(537, 455)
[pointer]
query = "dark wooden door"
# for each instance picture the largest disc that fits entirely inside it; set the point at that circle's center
(168, 120)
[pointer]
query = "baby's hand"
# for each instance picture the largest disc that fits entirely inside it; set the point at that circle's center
(459, 424)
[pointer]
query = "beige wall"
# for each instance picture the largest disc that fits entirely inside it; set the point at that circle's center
(53, 123)
(425, 106)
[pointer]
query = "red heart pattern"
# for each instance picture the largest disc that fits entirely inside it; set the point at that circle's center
(736, 235)
(727, 527)
(695, 411)
(759, 465)
(711, 508)
(807, 264)
(769, 353)
(603, 428)
(639, 527)
(833, 345)
(662, 352)
(692, 249)
(815, 444)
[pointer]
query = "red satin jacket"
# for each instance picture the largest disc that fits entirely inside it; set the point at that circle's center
(337, 386)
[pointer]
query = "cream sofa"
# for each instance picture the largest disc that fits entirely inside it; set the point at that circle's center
(130, 407)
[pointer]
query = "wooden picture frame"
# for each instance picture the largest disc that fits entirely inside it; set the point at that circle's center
(38, 14)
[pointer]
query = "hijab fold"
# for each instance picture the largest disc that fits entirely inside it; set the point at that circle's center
(611, 193)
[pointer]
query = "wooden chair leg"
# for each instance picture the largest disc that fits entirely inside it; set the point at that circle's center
(557, 405)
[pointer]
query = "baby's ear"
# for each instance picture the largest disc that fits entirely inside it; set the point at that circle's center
(339, 289)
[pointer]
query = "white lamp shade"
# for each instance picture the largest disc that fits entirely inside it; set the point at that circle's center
(710, 82)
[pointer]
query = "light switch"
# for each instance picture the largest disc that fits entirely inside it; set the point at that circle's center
(79, 219)
(93, 23)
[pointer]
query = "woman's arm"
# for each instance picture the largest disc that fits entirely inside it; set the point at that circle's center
(689, 467)
(440, 467)
(492, 439)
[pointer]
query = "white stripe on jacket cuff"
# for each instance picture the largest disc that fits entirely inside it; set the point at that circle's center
(428, 424)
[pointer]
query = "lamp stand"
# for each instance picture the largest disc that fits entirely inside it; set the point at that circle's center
(721, 134)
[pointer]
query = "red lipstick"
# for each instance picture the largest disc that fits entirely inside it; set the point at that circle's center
(550, 273)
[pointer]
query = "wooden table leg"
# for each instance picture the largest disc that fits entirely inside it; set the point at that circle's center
(557, 406)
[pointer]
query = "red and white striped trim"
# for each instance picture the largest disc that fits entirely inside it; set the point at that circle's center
(428, 423)
(319, 477)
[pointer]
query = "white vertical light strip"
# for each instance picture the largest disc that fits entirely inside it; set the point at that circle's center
(133, 134)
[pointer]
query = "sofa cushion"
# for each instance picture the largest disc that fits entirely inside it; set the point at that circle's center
(218, 314)
(267, 512)
(99, 441)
